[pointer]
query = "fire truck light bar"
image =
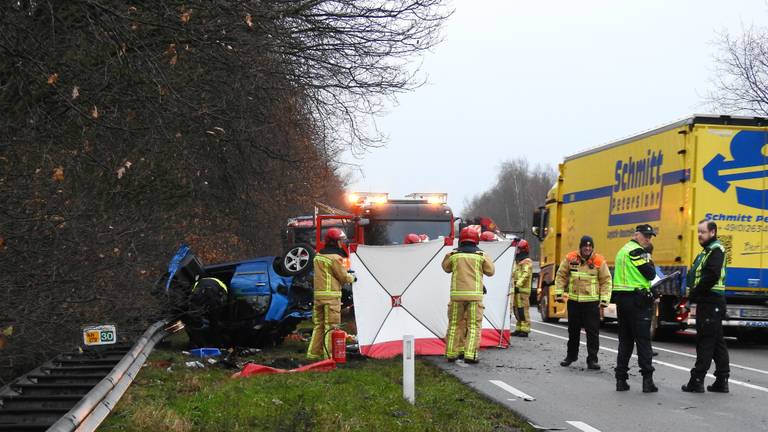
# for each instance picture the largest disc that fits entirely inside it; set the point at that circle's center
(430, 197)
(367, 197)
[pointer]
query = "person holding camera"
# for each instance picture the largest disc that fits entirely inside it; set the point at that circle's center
(632, 278)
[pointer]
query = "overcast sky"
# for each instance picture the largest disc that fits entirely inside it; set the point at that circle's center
(544, 79)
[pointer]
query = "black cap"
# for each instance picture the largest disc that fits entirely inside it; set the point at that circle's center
(645, 230)
(586, 241)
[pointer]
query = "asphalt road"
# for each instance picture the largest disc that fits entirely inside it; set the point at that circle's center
(529, 379)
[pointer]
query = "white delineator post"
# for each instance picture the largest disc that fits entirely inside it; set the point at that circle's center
(409, 370)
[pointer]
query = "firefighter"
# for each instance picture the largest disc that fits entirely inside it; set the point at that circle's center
(208, 301)
(521, 289)
(330, 274)
(706, 285)
(467, 265)
(584, 281)
(632, 278)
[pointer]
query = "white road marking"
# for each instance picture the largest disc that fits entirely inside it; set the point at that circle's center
(733, 365)
(582, 426)
(663, 363)
(514, 391)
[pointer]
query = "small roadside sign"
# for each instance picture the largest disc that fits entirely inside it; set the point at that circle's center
(99, 335)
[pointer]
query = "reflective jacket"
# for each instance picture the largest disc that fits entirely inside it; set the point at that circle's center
(585, 280)
(467, 268)
(706, 280)
(633, 269)
(330, 275)
(521, 277)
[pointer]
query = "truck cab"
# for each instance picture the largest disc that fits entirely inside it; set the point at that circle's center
(545, 228)
(379, 220)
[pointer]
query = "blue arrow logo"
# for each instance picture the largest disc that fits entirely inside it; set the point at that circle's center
(747, 151)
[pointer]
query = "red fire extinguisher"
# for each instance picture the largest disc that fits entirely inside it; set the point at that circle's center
(339, 346)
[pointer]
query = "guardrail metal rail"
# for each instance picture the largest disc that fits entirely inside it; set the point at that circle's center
(75, 391)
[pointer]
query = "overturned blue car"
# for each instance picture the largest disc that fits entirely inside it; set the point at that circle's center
(251, 303)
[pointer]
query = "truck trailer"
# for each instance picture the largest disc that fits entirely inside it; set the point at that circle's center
(705, 167)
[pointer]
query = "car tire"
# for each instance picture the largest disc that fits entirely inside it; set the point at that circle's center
(297, 260)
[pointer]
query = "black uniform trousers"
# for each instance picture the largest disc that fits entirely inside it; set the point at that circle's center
(583, 315)
(634, 314)
(710, 343)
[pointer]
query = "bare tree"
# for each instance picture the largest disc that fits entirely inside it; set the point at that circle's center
(519, 189)
(128, 127)
(741, 82)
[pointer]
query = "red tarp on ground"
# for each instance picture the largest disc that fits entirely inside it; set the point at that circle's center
(255, 369)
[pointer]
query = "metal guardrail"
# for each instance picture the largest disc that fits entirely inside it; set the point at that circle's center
(96, 405)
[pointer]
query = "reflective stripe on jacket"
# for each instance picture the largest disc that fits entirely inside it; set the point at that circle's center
(585, 280)
(330, 275)
(701, 261)
(467, 270)
(221, 284)
(626, 275)
(521, 277)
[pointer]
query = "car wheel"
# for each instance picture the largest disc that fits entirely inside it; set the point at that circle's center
(297, 260)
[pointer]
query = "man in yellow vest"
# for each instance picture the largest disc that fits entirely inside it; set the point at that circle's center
(467, 265)
(633, 273)
(521, 289)
(584, 281)
(706, 285)
(330, 274)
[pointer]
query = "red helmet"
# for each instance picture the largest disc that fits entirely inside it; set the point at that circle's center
(334, 234)
(522, 246)
(469, 234)
(488, 236)
(412, 238)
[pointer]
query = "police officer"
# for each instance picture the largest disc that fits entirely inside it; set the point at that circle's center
(706, 285)
(330, 274)
(584, 281)
(632, 278)
(521, 285)
(467, 265)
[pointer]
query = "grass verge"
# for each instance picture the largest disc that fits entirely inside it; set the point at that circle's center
(364, 395)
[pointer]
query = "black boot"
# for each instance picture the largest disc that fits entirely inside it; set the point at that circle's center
(567, 362)
(719, 386)
(621, 385)
(695, 385)
(648, 385)
(593, 365)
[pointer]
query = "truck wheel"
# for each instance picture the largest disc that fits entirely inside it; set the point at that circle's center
(297, 260)
(659, 333)
(544, 310)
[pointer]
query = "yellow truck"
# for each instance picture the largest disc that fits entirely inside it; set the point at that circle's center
(703, 167)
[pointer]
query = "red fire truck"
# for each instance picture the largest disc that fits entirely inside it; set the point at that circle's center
(376, 219)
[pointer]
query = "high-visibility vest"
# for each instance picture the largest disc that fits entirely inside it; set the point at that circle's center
(627, 277)
(330, 274)
(218, 281)
(467, 275)
(521, 277)
(701, 261)
(583, 278)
